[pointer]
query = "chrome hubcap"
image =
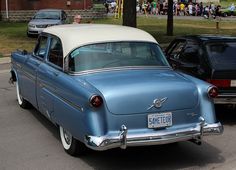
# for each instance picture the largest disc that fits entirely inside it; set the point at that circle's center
(67, 136)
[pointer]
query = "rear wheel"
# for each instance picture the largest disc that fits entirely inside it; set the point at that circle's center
(70, 144)
(21, 101)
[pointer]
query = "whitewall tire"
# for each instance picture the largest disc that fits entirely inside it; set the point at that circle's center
(21, 101)
(71, 145)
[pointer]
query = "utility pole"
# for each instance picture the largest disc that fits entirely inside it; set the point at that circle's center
(129, 13)
(7, 15)
(170, 18)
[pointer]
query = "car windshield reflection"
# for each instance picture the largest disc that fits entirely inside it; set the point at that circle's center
(47, 15)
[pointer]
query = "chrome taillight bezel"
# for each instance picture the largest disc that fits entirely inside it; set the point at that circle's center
(97, 103)
(209, 92)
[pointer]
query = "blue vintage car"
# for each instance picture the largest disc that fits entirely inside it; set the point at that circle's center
(108, 86)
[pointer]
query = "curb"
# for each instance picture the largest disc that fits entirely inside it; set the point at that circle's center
(5, 60)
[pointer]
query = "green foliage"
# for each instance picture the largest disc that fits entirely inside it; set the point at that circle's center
(227, 3)
(13, 36)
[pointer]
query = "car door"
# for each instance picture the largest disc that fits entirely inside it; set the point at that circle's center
(173, 51)
(189, 59)
(30, 70)
(49, 77)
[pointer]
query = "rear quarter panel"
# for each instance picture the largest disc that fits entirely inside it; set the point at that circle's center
(206, 105)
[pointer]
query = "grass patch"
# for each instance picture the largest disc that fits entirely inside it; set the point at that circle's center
(13, 35)
(157, 27)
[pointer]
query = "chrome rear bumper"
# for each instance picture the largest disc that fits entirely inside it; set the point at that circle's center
(124, 139)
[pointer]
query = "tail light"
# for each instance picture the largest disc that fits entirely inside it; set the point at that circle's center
(219, 83)
(96, 101)
(213, 92)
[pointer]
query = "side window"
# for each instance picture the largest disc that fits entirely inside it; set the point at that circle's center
(55, 55)
(190, 53)
(176, 49)
(41, 47)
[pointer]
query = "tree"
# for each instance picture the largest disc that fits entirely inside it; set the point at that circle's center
(129, 13)
(170, 18)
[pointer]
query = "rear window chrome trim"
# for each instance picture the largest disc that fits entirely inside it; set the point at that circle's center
(119, 69)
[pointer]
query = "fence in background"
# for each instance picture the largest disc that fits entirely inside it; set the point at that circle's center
(26, 15)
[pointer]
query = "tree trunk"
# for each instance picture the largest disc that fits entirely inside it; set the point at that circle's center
(129, 13)
(170, 18)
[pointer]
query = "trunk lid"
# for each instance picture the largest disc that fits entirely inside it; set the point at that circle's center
(133, 91)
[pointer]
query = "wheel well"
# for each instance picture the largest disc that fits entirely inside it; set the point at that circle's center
(13, 76)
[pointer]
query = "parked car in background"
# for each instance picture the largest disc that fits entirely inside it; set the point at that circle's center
(226, 12)
(210, 58)
(45, 18)
(111, 91)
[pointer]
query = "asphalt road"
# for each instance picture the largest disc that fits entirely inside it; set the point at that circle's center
(29, 141)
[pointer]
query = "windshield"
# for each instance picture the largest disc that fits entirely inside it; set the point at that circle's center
(116, 54)
(222, 54)
(47, 15)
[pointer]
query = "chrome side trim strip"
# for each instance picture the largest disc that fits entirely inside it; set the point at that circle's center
(71, 104)
(54, 92)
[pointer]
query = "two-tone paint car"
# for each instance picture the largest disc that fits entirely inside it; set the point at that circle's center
(108, 86)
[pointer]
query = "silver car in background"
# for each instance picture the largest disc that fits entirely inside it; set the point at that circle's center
(45, 18)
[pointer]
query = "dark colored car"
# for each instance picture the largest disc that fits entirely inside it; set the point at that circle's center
(210, 58)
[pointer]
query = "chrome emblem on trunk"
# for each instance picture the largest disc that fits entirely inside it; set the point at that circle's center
(157, 103)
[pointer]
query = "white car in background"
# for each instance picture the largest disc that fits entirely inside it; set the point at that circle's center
(45, 18)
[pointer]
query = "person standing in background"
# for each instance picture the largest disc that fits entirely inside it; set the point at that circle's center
(161, 7)
(154, 8)
(77, 19)
(190, 8)
(232, 8)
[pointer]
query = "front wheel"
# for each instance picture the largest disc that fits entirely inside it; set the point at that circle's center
(21, 101)
(72, 146)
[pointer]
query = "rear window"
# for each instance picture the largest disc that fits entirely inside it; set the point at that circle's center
(116, 54)
(222, 54)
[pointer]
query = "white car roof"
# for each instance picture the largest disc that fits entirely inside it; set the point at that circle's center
(75, 35)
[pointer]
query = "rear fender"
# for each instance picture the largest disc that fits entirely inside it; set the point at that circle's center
(207, 108)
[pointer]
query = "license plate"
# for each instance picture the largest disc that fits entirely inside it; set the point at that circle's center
(233, 83)
(159, 120)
